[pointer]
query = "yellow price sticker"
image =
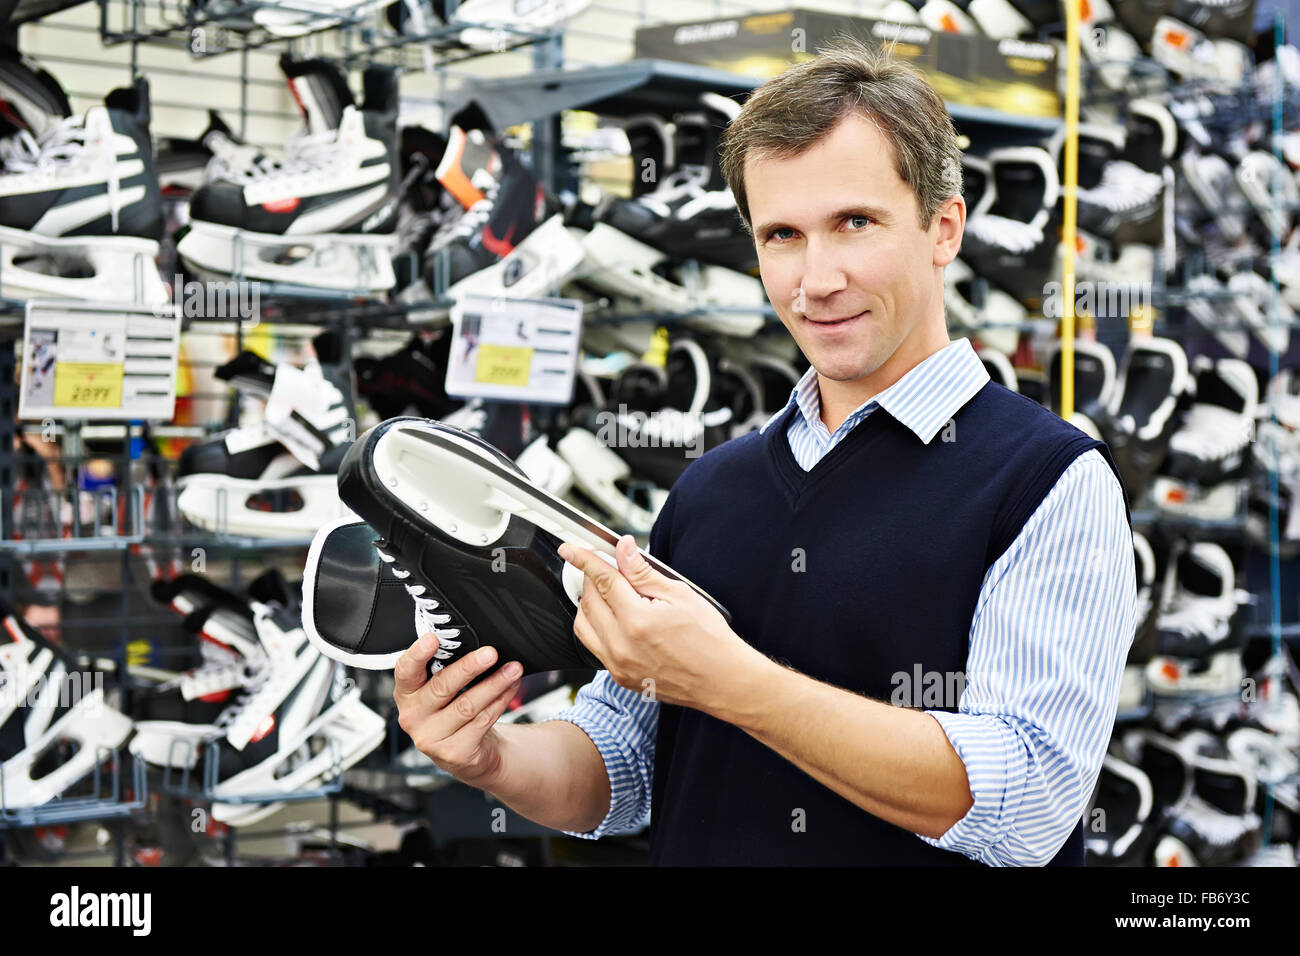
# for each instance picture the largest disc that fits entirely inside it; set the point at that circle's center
(88, 385)
(503, 365)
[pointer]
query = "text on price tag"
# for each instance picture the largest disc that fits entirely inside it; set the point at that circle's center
(88, 384)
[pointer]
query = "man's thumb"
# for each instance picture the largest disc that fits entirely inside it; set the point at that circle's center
(632, 564)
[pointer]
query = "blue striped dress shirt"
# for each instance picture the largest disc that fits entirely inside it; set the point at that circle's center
(1052, 628)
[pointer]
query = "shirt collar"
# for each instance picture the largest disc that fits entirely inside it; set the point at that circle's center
(924, 399)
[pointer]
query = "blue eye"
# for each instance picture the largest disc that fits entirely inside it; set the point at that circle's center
(774, 232)
(863, 219)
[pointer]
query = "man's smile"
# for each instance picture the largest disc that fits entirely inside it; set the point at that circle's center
(836, 323)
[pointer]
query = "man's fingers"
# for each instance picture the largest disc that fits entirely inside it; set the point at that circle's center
(464, 741)
(644, 579)
(606, 580)
(478, 698)
(449, 681)
(412, 668)
(587, 634)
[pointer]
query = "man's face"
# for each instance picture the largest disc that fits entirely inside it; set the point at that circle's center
(843, 258)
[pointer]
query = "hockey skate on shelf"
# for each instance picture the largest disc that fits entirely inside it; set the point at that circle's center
(34, 767)
(1094, 378)
(300, 17)
(321, 221)
(185, 711)
(1205, 472)
(1011, 244)
(295, 727)
(80, 208)
(275, 478)
(1252, 296)
(1202, 615)
(1110, 48)
(491, 18)
(300, 727)
(1142, 413)
(32, 99)
(446, 506)
(997, 319)
(1124, 795)
(1259, 174)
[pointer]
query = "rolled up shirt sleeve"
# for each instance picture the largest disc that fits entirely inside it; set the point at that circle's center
(1048, 643)
(622, 724)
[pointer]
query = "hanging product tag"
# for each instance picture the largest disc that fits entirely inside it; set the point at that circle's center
(520, 350)
(86, 361)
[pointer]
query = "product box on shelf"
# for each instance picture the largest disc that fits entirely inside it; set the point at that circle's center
(1015, 76)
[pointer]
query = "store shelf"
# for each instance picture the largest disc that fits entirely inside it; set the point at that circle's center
(651, 86)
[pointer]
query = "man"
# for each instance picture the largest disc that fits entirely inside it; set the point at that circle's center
(903, 532)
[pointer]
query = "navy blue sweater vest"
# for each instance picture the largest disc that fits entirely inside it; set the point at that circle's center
(867, 566)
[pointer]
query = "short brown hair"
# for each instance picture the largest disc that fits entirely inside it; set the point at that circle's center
(791, 112)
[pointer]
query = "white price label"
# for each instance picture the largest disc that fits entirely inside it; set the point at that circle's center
(522, 350)
(86, 361)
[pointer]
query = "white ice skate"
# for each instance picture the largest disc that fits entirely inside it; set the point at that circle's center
(46, 702)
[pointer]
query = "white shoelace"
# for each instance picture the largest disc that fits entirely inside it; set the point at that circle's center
(1195, 614)
(425, 618)
(1213, 825)
(63, 144)
(1212, 433)
(1123, 187)
(1010, 234)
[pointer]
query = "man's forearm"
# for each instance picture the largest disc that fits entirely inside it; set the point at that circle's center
(892, 762)
(552, 774)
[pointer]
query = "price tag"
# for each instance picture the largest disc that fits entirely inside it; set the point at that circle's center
(503, 365)
(83, 360)
(88, 385)
(522, 350)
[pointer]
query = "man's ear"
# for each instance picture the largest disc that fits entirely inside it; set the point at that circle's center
(947, 228)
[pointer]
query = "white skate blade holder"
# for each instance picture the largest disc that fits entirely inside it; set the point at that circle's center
(476, 496)
(115, 262)
(96, 728)
(220, 504)
(351, 729)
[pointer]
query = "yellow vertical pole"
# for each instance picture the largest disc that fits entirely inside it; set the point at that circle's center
(1071, 204)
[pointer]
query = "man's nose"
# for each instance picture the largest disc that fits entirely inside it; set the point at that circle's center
(823, 272)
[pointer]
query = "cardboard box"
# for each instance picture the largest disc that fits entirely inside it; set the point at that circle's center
(1015, 76)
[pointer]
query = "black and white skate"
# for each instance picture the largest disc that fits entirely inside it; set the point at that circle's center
(1203, 606)
(478, 539)
(1094, 378)
(1124, 796)
(1152, 381)
(1012, 245)
(55, 725)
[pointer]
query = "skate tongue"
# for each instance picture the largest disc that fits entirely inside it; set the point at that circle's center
(306, 414)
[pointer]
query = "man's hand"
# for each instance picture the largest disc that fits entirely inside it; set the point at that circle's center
(657, 635)
(455, 732)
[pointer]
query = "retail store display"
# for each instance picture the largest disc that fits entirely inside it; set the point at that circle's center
(80, 210)
(319, 433)
(323, 218)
